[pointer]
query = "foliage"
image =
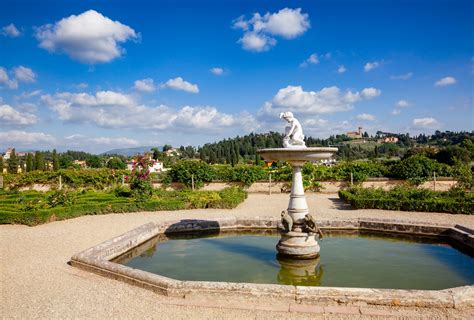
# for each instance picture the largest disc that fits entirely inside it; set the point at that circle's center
(462, 173)
(13, 163)
(187, 170)
(55, 160)
(116, 163)
(32, 207)
(416, 169)
(97, 179)
(38, 162)
(410, 199)
(61, 198)
(140, 179)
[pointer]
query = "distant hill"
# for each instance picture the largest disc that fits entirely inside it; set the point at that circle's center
(128, 152)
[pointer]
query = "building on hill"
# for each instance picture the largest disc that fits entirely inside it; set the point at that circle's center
(9, 151)
(80, 163)
(390, 140)
(355, 134)
(156, 167)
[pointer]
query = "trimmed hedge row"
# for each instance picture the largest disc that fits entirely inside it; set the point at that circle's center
(14, 211)
(438, 203)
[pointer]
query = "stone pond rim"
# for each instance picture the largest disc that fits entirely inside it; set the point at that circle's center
(297, 154)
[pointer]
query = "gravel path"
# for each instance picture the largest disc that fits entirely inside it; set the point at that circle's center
(37, 282)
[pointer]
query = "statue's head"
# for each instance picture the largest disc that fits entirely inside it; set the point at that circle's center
(282, 213)
(307, 218)
(286, 115)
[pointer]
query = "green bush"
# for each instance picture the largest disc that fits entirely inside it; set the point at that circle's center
(454, 201)
(32, 207)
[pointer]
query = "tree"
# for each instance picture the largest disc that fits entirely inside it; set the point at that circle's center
(116, 163)
(94, 162)
(1, 164)
(167, 147)
(13, 163)
(29, 162)
(55, 161)
(39, 161)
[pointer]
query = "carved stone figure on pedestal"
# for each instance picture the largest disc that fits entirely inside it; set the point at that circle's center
(294, 136)
(286, 221)
(311, 225)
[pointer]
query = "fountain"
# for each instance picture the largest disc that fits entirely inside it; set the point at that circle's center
(299, 232)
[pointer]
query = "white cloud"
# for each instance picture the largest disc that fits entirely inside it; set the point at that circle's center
(402, 104)
(10, 116)
(312, 59)
(426, 123)
(16, 137)
(446, 81)
(116, 110)
(371, 65)
(396, 112)
(145, 85)
(10, 31)
(180, 84)
(327, 100)
(369, 93)
(30, 94)
(121, 141)
(89, 37)
(6, 81)
(81, 86)
(405, 76)
(24, 74)
(341, 69)
(260, 30)
(217, 71)
(365, 117)
(252, 41)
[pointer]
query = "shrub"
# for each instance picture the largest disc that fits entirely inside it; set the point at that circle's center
(183, 172)
(410, 199)
(140, 179)
(61, 198)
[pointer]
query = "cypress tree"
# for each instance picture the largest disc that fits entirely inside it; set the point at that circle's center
(29, 162)
(39, 161)
(1, 164)
(13, 163)
(55, 161)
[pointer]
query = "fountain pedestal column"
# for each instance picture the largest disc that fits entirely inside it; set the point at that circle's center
(297, 243)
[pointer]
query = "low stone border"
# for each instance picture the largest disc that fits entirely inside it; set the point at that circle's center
(98, 260)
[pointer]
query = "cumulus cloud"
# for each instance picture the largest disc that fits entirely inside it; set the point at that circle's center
(11, 116)
(371, 66)
(446, 81)
(10, 31)
(260, 30)
(217, 71)
(180, 84)
(145, 85)
(405, 76)
(5, 80)
(24, 74)
(365, 117)
(341, 69)
(369, 93)
(17, 137)
(110, 109)
(426, 123)
(327, 100)
(88, 38)
(312, 59)
(402, 104)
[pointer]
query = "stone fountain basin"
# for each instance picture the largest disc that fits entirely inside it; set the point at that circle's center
(99, 259)
(297, 154)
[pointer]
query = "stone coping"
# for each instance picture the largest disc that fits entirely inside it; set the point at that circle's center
(98, 260)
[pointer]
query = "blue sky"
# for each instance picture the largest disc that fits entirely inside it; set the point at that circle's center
(96, 75)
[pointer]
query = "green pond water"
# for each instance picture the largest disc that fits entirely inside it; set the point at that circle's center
(346, 260)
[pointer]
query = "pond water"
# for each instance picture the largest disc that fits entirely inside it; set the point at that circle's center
(346, 260)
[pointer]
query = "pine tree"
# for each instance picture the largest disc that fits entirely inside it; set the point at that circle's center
(55, 161)
(13, 163)
(39, 161)
(29, 162)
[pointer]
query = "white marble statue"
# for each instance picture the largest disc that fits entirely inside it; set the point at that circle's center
(294, 137)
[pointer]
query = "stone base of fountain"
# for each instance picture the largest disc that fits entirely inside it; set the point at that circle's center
(298, 245)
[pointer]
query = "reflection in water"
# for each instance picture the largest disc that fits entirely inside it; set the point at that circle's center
(305, 272)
